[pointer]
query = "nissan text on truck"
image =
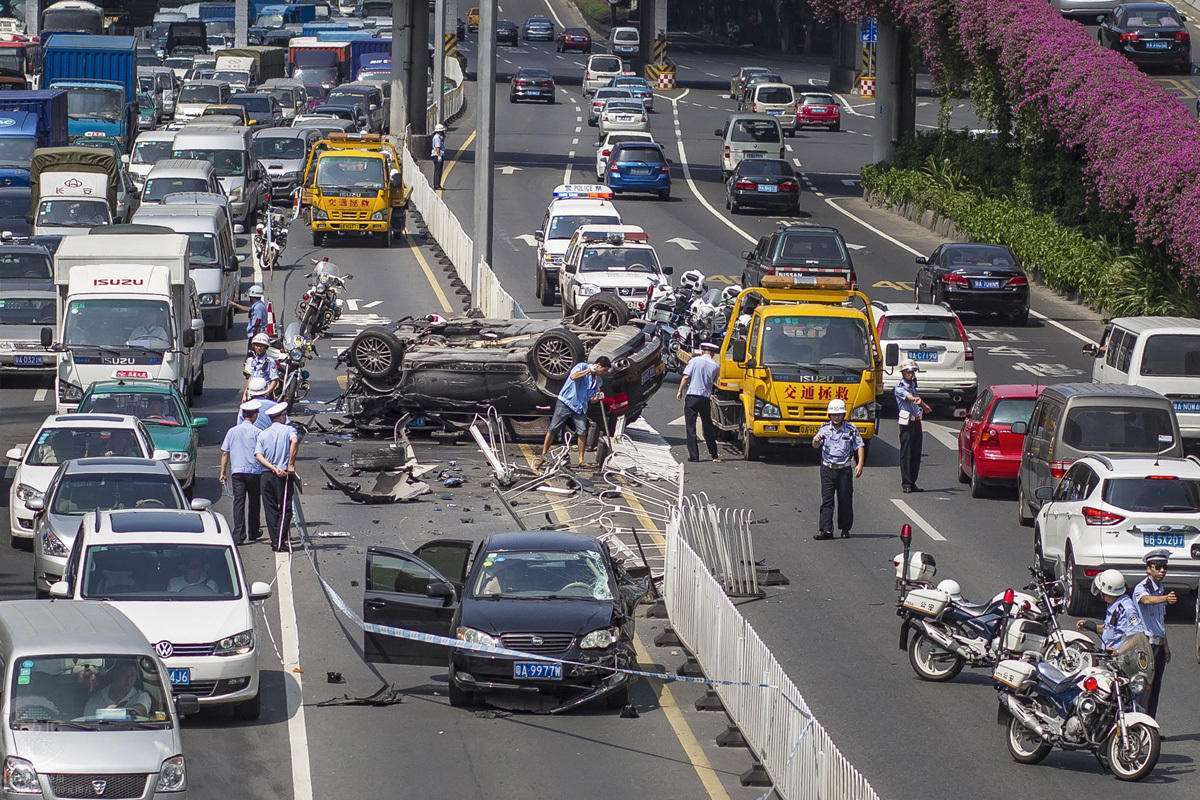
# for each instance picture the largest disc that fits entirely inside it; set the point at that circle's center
(127, 309)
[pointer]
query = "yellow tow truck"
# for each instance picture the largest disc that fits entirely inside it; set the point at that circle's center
(353, 186)
(788, 350)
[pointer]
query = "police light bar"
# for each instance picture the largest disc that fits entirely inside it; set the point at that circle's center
(582, 191)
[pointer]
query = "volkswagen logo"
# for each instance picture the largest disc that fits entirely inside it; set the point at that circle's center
(164, 649)
(98, 787)
(536, 640)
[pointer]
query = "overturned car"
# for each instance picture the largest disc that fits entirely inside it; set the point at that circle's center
(448, 370)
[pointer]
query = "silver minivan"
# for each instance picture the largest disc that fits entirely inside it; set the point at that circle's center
(88, 710)
(749, 136)
(228, 150)
(164, 84)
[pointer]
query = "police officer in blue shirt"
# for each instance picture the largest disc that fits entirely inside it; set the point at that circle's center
(841, 451)
(275, 448)
(259, 392)
(258, 312)
(1122, 617)
(260, 364)
(911, 410)
(1152, 600)
(237, 457)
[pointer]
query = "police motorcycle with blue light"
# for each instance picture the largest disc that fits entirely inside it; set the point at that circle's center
(1093, 708)
(944, 632)
(319, 306)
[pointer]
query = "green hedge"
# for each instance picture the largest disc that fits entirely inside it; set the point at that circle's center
(1062, 257)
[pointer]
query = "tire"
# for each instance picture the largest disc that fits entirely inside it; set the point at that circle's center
(385, 238)
(835, 127)
(378, 459)
(249, 710)
(547, 295)
(1078, 598)
(554, 352)
(376, 353)
(1022, 519)
(1019, 319)
(198, 384)
(603, 312)
(1039, 551)
(665, 194)
(734, 208)
(459, 697)
(318, 238)
(1147, 741)
(963, 477)
(537, 284)
(924, 667)
(751, 447)
(1023, 744)
(978, 489)
(618, 699)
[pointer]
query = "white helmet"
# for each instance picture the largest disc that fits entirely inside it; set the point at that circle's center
(257, 386)
(259, 227)
(921, 566)
(261, 338)
(692, 279)
(836, 406)
(1110, 582)
(730, 293)
(255, 291)
(950, 587)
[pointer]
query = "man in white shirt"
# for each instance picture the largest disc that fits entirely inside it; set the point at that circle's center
(120, 693)
(194, 579)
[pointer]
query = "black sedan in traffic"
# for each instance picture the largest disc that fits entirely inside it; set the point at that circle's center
(531, 83)
(763, 183)
(552, 597)
(980, 278)
(1149, 34)
(508, 33)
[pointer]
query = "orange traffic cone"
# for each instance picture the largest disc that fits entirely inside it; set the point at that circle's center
(270, 320)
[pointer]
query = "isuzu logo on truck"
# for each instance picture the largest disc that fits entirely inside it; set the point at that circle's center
(119, 282)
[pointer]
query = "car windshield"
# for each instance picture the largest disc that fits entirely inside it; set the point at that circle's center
(267, 147)
(338, 172)
(260, 104)
(1119, 430)
(178, 62)
(311, 75)
(764, 168)
(168, 571)
(774, 94)
(77, 495)
(94, 103)
(118, 322)
(543, 574)
(73, 213)
(618, 259)
(226, 163)
(564, 226)
(150, 152)
(811, 246)
(285, 96)
(14, 206)
(609, 94)
(819, 100)
(17, 150)
(158, 188)
(232, 76)
(66, 20)
(26, 311)
(1172, 355)
(202, 249)
(815, 341)
(606, 64)
(193, 93)
(646, 155)
(88, 693)
(1007, 412)
(1157, 495)
(969, 256)
(53, 446)
(755, 130)
(269, 21)
(625, 36)
(27, 266)
(922, 328)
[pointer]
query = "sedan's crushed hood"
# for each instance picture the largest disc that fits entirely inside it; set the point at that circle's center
(498, 617)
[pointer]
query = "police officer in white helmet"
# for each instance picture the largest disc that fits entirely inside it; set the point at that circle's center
(842, 452)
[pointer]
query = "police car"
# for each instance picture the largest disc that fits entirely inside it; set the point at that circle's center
(571, 205)
(618, 259)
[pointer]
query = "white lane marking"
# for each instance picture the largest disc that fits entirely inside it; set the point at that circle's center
(560, 58)
(574, 141)
(796, 161)
(567, 171)
(846, 104)
(39, 395)
(712, 75)
(919, 520)
(579, 63)
(293, 681)
(578, 128)
(945, 435)
(578, 119)
(678, 420)
(499, 8)
(1038, 315)
(787, 147)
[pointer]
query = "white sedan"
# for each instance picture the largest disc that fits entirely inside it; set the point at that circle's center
(60, 438)
(624, 115)
(612, 139)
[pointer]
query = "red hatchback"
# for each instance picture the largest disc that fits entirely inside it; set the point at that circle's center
(574, 39)
(819, 110)
(989, 453)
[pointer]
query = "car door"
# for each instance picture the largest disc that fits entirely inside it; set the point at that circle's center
(754, 261)
(968, 435)
(1068, 502)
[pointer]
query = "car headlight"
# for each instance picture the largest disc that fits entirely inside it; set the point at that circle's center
(208, 299)
(237, 645)
(599, 639)
(235, 193)
(552, 259)
(587, 289)
(863, 413)
(181, 457)
(765, 410)
(320, 214)
(52, 545)
(1138, 684)
(172, 776)
(377, 216)
(20, 777)
(25, 493)
(69, 392)
(472, 636)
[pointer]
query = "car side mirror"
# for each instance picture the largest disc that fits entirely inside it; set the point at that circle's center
(1019, 428)
(539, 236)
(570, 268)
(440, 589)
(15, 453)
(891, 355)
(186, 704)
(60, 589)
(747, 254)
(1044, 493)
(199, 422)
(35, 504)
(719, 133)
(1092, 350)
(189, 338)
(200, 504)
(737, 349)
(239, 228)
(160, 455)
(47, 337)
(668, 270)
(751, 363)
(921, 260)
(260, 590)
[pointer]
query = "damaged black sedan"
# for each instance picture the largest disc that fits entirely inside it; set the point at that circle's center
(558, 597)
(449, 370)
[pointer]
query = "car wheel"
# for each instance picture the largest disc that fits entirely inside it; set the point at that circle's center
(1024, 520)
(978, 489)
(512, 99)
(734, 208)
(751, 446)
(547, 295)
(376, 353)
(665, 194)
(459, 697)
(837, 126)
(1020, 318)
(318, 238)
(249, 710)
(198, 384)
(603, 312)
(963, 477)
(537, 284)
(1078, 597)
(554, 352)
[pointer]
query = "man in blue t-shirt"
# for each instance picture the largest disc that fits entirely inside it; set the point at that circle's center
(581, 387)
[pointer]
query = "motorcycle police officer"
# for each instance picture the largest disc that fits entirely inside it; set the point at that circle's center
(1122, 617)
(1152, 600)
(841, 444)
(260, 365)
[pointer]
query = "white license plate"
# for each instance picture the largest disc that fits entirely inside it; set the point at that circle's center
(767, 187)
(754, 155)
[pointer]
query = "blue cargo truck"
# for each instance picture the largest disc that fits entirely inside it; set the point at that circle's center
(29, 120)
(214, 12)
(100, 75)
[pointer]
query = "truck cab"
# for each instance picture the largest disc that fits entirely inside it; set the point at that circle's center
(99, 74)
(74, 190)
(787, 352)
(352, 185)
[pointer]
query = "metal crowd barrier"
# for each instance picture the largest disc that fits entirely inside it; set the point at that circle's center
(796, 751)
(722, 539)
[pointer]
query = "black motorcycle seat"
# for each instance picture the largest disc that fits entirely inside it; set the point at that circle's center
(973, 609)
(1058, 680)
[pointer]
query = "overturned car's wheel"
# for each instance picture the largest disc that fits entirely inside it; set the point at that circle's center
(603, 312)
(554, 353)
(376, 353)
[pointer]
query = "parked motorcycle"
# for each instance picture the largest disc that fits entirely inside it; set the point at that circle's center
(270, 239)
(290, 352)
(319, 306)
(1092, 709)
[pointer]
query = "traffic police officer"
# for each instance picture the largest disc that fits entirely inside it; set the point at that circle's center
(1122, 618)
(841, 447)
(260, 365)
(911, 410)
(258, 312)
(275, 449)
(1152, 600)
(237, 457)
(258, 390)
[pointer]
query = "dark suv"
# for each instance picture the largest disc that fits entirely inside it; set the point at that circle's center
(799, 252)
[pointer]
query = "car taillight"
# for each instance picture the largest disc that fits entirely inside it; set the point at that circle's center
(1017, 280)
(1130, 37)
(727, 151)
(956, 278)
(1182, 36)
(968, 353)
(745, 184)
(617, 402)
(768, 270)
(1098, 516)
(605, 153)
(853, 280)
(789, 186)
(665, 169)
(649, 294)
(1059, 468)
(614, 169)
(520, 82)
(990, 438)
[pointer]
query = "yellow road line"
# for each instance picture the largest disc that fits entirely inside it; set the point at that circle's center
(454, 160)
(666, 700)
(415, 249)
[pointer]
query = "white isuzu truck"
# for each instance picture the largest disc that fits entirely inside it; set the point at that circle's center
(127, 309)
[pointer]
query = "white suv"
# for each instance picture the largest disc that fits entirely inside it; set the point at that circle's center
(601, 68)
(1107, 513)
(618, 259)
(63, 437)
(179, 578)
(934, 337)
(571, 205)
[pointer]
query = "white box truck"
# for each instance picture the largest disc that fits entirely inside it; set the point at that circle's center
(127, 309)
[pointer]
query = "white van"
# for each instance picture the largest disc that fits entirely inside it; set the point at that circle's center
(149, 148)
(624, 41)
(776, 100)
(749, 136)
(1159, 353)
(87, 705)
(601, 68)
(228, 150)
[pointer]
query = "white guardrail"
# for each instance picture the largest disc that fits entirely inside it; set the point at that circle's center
(486, 292)
(796, 751)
